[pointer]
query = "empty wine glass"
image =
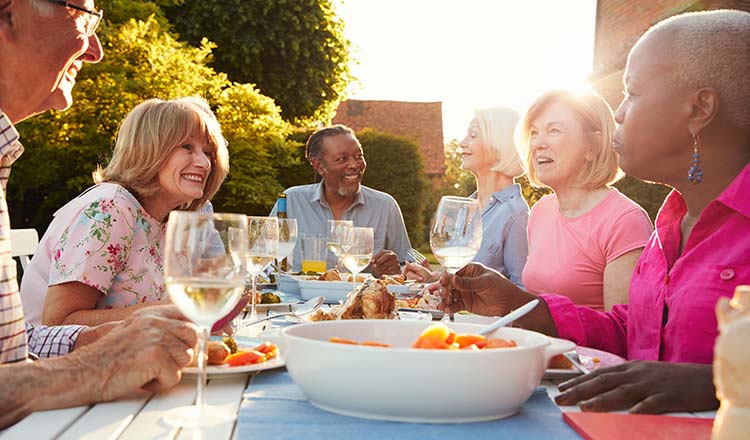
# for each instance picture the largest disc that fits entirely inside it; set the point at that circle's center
(456, 235)
(262, 246)
(335, 236)
(356, 250)
(287, 240)
(203, 273)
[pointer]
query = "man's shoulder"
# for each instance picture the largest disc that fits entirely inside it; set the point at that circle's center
(374, 195)
(301, 190)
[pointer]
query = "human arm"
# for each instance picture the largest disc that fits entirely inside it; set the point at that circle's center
(643, 387)
(617, 274)
(147, 350)
(75, 303)
(484, 291)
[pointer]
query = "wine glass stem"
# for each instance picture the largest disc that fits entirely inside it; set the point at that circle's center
(200, 398)
(253, 313)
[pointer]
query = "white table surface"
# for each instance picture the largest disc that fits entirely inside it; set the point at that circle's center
(139, 415)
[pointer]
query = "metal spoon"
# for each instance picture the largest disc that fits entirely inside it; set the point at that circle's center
(510, 317)
(305, 308)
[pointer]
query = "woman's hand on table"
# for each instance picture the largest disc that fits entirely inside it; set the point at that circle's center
(643, 387)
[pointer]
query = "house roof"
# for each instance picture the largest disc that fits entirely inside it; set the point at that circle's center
(421, 121)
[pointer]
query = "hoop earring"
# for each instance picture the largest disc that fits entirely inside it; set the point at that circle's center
(695, 173)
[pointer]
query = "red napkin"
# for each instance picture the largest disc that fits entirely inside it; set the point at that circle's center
(601, 426)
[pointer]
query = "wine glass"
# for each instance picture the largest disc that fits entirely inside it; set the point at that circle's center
(356, 250)
(456, 235)
(203, 273)
(287, 240)
(262, 246)
(335, 236)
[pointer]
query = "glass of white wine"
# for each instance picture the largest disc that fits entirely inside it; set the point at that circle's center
(287, 240)
(204, 275)
(335, 237)
(262, 246)
(356, 250)
(456, 235)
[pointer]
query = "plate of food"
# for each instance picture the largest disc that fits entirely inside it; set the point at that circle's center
(273, 298)
(332, 285)
(561, 368)
(226, 359)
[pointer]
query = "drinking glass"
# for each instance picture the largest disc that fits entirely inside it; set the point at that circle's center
(262, 246)
(313, 253)
(335, 236)
(456, 235)
(287, 239)
(203, 273)
(357, 250)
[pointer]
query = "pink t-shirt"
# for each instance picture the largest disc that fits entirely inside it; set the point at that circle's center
(567, 256)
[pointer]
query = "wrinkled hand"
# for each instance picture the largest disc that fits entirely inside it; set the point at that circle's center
(643, 387)
(146, 350)
(419, 273)
(385, 263)
(478, 289)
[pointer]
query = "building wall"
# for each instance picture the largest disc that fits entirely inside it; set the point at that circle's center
(421, 121)
(619, 23)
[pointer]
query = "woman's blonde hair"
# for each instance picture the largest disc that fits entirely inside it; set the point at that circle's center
(148, 136)
(496, 128)
(598, 123)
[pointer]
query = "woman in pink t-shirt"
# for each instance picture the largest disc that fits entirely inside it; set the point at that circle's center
(585, 238)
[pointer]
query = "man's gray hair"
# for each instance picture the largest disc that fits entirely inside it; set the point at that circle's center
(44, 7)
(315, 142)
(712, 49)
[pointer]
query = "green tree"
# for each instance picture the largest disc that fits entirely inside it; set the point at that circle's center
(395, 166)
(143, 61)
(293, 50)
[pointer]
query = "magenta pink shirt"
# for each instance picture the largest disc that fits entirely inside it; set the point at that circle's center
(671, 315)
(568, 256)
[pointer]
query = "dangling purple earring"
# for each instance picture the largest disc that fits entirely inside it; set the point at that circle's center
(695, 173)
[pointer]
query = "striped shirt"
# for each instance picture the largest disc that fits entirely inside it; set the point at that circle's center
(16, 337)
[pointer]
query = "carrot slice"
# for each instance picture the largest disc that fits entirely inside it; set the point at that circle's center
(336, 340)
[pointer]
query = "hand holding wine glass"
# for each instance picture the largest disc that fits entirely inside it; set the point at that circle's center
(456, 235)
(357, 250)
(203, 273)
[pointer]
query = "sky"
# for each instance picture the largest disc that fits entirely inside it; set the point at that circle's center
(468, 53)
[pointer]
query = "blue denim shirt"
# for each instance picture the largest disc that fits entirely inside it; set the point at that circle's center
(504, 241)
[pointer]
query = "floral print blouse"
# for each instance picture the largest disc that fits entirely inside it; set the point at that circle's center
(104, 239)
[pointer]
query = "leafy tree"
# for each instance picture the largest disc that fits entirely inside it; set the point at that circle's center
(294, 50)
(143, 61)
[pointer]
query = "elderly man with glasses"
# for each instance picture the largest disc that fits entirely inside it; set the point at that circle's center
(43, 45)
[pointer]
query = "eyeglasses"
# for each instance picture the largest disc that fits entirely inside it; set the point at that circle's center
(93, 19)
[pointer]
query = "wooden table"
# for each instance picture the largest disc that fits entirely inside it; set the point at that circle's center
(138, 416)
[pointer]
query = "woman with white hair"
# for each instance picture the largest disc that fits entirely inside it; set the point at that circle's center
(101, 257)
(488, 151)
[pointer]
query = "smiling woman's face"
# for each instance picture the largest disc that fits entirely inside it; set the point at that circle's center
(558, 146)
(183, 176)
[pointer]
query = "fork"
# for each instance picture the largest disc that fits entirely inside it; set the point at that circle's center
(416, 256)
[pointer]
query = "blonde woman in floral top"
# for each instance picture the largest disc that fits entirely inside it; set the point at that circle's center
(101, 257)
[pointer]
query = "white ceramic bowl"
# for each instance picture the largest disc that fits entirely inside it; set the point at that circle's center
(410, 385)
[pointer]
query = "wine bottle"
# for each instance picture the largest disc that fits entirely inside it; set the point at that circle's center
(281, 213)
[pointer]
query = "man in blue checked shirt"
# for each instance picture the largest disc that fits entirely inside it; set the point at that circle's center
(43, 45)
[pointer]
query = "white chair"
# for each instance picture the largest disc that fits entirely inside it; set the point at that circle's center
(24, 243)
